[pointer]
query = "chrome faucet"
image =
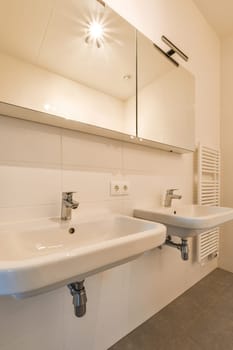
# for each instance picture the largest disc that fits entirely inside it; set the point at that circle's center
(67, 205)
(170, 196)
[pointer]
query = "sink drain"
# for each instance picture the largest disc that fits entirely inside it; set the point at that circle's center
(71, 230)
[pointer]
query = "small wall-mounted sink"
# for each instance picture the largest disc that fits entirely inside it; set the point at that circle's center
(188, 220)
(40, 255)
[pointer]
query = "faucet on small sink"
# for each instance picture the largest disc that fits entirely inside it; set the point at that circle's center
(67, 205)
(170, 196)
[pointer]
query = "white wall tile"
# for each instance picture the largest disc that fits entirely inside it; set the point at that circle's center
(29, 186)
(113, 306)
(89, 185)
(82, 150)
(101, 207)
(27, 213)
(148, 190)
(152, 161)
(24, 141)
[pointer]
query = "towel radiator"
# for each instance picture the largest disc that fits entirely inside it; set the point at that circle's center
(208, 193)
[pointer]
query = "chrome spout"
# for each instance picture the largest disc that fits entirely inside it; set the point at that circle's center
(170, 196)
(67, 205)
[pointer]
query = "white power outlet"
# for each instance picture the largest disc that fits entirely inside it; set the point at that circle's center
(115, 188)
(119, 188)
(124, 188)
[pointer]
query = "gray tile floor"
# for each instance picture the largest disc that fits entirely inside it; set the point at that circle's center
(200, 319)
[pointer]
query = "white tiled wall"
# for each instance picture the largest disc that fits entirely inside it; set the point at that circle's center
(37, 163)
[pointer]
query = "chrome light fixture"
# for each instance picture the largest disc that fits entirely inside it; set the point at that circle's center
(174, 49)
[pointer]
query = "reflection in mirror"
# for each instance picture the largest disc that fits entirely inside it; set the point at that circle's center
(72, 59)
(165, 98)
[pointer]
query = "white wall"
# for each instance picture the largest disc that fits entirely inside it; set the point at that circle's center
(38, 162)
(226, 242)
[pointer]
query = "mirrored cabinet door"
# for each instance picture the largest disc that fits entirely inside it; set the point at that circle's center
(71, 60)
(166, 97)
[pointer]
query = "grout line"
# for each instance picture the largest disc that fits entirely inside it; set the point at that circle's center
(30, 164)
(30, 205)
(122, 157)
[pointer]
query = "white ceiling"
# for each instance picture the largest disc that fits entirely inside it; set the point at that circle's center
(219, 14)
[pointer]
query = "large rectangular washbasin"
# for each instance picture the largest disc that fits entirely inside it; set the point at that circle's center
(187, 220)
(40, 255)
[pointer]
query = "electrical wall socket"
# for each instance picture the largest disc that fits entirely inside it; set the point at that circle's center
(115, 188)
(119, 188)
(125, 188)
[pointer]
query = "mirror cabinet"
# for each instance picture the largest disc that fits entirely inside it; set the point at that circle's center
(81, 66)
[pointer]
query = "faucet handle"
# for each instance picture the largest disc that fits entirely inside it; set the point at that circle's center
(66, 195)
(171, 190)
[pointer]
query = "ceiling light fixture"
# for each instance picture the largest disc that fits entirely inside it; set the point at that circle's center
(96, 30)
(95, 33)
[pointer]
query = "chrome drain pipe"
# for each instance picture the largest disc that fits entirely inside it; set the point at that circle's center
(183, 247)
(78, 291)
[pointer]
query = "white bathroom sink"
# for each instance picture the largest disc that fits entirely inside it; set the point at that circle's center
(188, 220)
(40, 255)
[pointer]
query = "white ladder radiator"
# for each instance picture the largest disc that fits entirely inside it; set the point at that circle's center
(208, 193)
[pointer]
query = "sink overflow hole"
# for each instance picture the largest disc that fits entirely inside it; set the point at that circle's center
(71, 230)
(174, 212)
